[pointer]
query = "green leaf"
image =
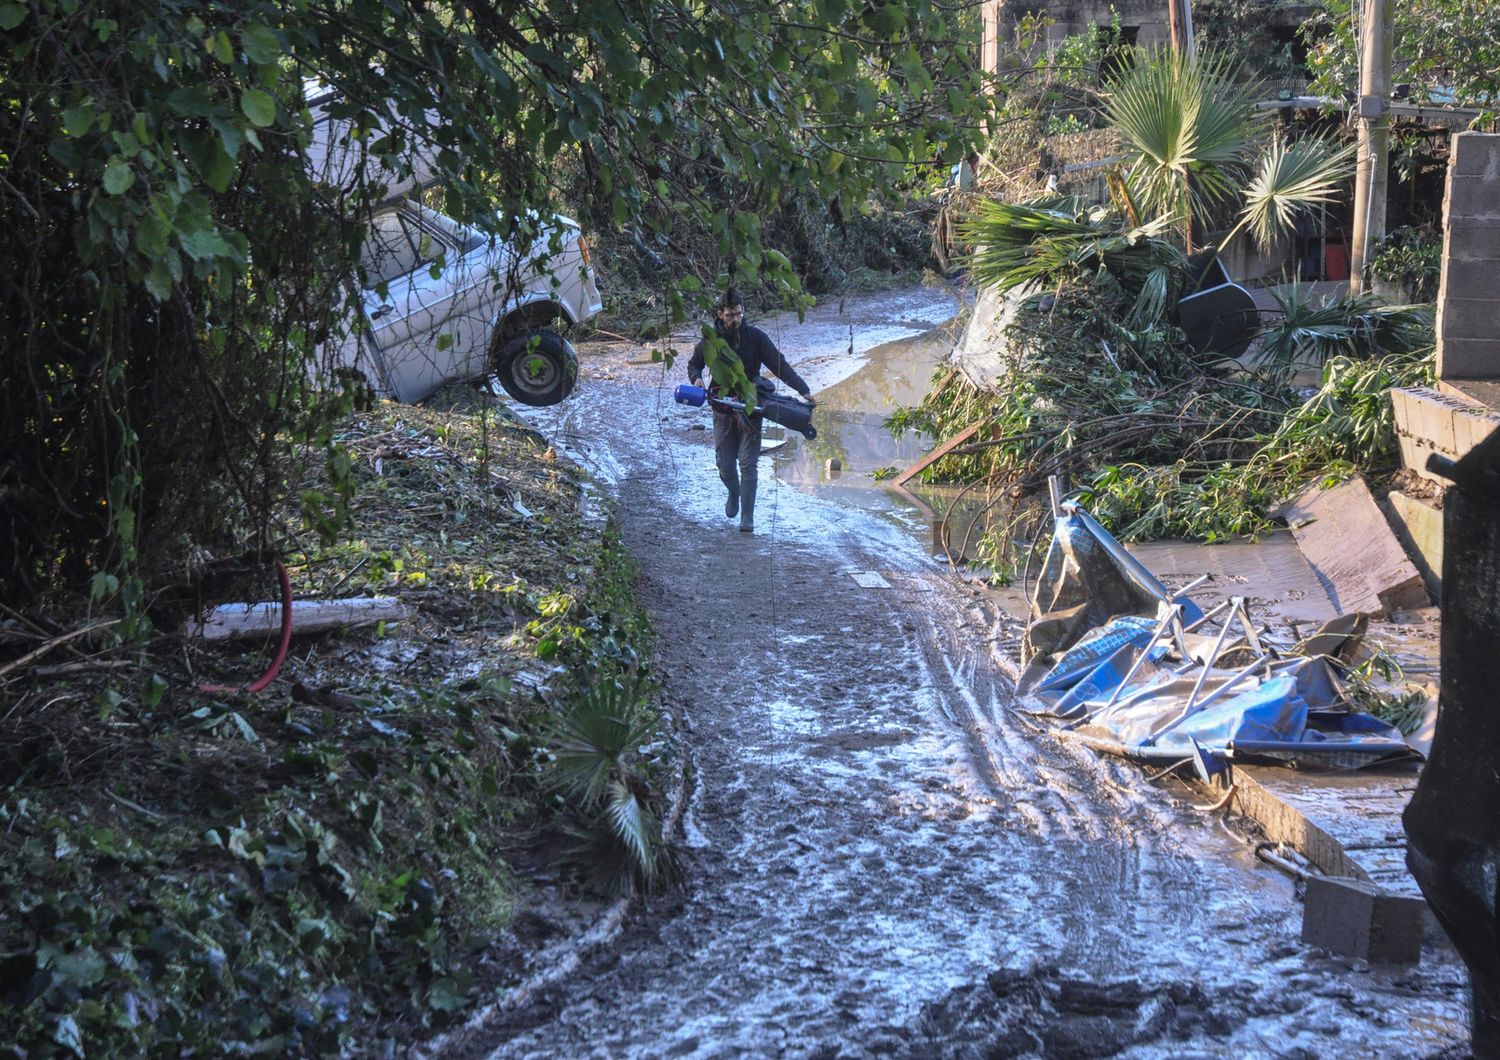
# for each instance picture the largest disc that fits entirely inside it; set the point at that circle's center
(192, 101)
(118, 177)
(220, 171)
(79, 118)
(219, 47)
(260, 44)
(83, 967)
(259, 106)
(204, 244)
(155, 689)
(448, 994)
(11, 16)
(159, 280)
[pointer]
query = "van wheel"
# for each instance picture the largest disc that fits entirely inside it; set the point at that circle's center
(537, 367)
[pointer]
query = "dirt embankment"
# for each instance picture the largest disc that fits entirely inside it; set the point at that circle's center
(327, 861)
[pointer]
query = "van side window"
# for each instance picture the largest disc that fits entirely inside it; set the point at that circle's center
(394, 247)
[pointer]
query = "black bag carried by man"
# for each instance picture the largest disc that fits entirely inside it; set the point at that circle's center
(788, 412)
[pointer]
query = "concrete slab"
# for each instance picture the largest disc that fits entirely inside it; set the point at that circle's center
(1358, 919)
(1346, 823)
(1271, 573)
(1419, 526)
(1347, 540)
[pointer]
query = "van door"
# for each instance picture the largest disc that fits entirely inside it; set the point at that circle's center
(407, 305)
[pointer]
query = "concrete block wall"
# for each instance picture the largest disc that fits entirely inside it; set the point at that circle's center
(1468, 316)
(1429, 421)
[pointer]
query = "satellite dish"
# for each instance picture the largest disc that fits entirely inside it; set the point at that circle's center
(1220, 319)
(1218, 315)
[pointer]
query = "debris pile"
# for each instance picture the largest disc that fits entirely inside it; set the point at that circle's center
(1138, 670)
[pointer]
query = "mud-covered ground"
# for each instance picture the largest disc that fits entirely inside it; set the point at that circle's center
(881, 857)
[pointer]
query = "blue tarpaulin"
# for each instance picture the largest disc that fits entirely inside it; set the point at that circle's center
(1150, 688)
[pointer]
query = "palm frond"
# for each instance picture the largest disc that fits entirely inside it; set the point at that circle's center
(1188, 126)
(595, 733)
(1291, 179)
(1313, 330)
(636, 827)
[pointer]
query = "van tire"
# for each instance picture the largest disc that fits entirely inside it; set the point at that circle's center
(537, 367)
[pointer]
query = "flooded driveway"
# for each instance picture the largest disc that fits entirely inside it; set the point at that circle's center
(881, 857)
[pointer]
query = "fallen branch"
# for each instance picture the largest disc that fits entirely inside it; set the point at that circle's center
(55, 642)
(936, 455)
(309, 616)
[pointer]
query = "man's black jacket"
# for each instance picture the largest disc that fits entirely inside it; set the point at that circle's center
(756, 351)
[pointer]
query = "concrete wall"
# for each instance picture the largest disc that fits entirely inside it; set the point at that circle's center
(1147, 17)
(1468, 316)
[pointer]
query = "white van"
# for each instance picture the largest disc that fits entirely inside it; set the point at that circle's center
(443, 302)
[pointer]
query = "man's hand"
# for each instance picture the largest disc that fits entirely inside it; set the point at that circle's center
(808, 400)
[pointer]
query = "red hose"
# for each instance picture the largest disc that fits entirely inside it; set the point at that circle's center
(281, 649)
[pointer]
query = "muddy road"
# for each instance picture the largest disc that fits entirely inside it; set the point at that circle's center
(881, 857)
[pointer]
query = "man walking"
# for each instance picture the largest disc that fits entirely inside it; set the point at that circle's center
(737, 436)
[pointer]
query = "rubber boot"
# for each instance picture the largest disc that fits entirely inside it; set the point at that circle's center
(732, 506)
(747, 513)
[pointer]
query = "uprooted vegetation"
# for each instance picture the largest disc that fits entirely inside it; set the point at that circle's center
(328, 861)
(1092, 376)
(1164, 442)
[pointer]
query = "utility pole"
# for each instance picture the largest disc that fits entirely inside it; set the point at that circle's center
(1372, 162)
(1180, 27)
(989, 46)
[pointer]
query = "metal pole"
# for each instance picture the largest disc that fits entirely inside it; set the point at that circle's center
(1372, 162)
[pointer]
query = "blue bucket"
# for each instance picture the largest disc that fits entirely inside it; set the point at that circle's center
(687, 394)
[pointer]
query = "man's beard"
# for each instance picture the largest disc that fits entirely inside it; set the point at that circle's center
(729, 334)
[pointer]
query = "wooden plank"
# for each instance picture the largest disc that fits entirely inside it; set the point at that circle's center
(308, 616)
(911, 498)
(937, 454)
(1348, 541)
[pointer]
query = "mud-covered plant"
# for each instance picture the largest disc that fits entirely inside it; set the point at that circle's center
(1378, 686)
(1050, 242)
(615, 835)
(1346, 427)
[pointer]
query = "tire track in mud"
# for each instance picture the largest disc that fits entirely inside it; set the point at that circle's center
(881, 858)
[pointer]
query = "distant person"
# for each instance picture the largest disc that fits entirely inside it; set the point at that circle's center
(737, 436)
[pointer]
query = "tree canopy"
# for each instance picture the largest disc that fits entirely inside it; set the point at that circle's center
(1447, 47)
(173, 268)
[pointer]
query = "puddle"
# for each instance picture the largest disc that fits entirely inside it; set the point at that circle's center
(852, 458)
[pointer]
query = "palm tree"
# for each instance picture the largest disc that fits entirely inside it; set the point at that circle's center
(1189, 128)
(596, 742)
(1195, 141)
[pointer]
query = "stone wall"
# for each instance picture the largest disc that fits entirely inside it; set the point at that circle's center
(1468, 316)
